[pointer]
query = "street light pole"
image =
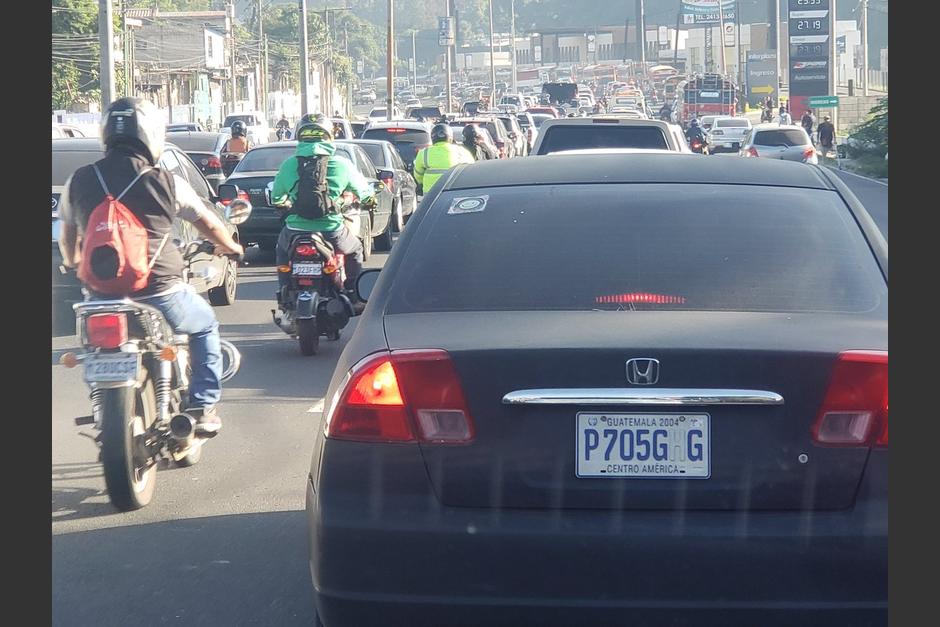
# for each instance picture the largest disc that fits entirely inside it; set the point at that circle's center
(450, 87)
(304, 70)
(512, 30)
(106, 43)
(230, 11)
(721, 38)
(390, 98)
(864, 47)
(414, 63)
(492, 59)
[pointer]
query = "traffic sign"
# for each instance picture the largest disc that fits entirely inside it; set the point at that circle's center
(446, 32)
(764, 89)
(826, 102)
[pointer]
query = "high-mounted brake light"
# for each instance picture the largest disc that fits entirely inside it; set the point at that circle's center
(854, 411)
(107, 330)
(402, 396)
(641, 297)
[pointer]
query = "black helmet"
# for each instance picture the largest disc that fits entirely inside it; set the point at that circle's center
(470, 132)
(135, 122)
(313, 132)
(239, 129)
(441, 133)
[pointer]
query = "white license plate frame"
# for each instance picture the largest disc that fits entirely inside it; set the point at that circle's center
(112, 367)
(647, 468)
(307, 268)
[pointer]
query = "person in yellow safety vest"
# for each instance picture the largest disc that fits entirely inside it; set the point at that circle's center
(433, 162)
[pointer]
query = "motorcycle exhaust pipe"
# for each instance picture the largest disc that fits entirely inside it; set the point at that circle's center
(183, 428)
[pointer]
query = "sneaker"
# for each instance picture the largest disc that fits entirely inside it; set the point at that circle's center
(208, 422)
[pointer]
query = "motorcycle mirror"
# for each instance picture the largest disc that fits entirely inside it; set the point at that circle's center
(268, 192)
(366, 283)
(238, 211)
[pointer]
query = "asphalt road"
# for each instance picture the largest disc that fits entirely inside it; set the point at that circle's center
(222, 543)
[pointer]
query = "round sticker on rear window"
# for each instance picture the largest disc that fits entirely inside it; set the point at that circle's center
(471, 204)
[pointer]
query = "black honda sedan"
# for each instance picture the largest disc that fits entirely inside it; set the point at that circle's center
(613, 390)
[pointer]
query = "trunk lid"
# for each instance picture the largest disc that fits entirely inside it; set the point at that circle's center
(524, 456)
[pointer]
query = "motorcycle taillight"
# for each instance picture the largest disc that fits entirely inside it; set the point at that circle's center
(334, 264)
(305, 250)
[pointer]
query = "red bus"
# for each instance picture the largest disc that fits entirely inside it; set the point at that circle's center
(710, 94)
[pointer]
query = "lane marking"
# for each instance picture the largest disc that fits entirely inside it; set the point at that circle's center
(864, 178)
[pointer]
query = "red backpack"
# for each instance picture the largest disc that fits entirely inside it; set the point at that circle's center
(114, 252)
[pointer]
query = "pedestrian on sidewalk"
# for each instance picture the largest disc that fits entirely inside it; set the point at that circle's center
(826, 134)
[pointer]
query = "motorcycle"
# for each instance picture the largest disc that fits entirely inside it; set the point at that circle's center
(138, 371)
(699, 146)
(229, 161)
(767, 115)
(312, 304)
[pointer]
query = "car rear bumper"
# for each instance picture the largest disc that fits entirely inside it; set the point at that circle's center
(407, 560)
(264, 224)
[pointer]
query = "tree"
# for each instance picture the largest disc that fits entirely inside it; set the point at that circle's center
(75, 52)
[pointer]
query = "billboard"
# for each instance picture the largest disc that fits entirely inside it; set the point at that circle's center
(695, 12)
(761, 75)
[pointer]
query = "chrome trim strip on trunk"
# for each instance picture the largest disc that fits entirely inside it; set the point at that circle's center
(635, 396)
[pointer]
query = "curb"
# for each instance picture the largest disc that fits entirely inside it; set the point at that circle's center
(867, 178)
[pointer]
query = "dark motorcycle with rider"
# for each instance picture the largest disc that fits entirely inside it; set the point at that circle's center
(319, 255)
(698, 143)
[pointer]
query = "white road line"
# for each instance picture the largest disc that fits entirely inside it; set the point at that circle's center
(317, 407)
(860, 176)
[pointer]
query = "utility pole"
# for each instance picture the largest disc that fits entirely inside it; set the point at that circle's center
(230, 23)
(390, 98)
(641, 33)
(348, 76)
(106, 43)
(737, 27)
(512, 30)
(414, 63)
(626, 28)
(675, 54)
(864, 47)
(304, 70)
(262, 86)
(776, 29)
(264, 52)
(721, 39)
(492, 59)
(450, 87)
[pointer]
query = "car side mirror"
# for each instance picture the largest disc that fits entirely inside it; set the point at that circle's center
(366, 283)
(228, 192)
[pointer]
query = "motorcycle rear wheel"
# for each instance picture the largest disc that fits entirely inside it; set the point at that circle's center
(309, 336)
(126, 415)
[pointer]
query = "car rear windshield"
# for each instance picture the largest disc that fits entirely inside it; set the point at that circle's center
(781, 137)
(426, 112)
(65, 162)
(203, 143)
(406, 141)
(264, 159)
(732, 124)
(375, 153)
(639, 246)
(575, 136)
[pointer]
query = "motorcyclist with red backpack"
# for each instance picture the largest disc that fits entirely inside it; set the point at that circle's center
(122, 208)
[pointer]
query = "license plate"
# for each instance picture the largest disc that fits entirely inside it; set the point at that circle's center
(643, 446)
(308, 268)
(112, 367)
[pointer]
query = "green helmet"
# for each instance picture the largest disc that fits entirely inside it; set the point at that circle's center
(313, 132)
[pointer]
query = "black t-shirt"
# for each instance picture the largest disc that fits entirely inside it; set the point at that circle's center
(151, 199)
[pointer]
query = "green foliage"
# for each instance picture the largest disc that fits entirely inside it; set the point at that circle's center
(75, 56)
(871, 136)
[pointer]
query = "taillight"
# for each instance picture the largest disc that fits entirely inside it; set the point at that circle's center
(854, 411)
(214, 162)
(402, 396)
(107, 330)
(808, 153)
(242, 195)
(305, 250)
(752, 152)
(335, 263)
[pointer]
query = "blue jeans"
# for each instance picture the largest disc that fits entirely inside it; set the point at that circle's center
(189, 313)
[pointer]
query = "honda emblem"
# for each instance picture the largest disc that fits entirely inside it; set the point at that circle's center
(643, 371)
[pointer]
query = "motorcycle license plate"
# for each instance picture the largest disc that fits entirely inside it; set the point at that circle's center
(308, 268)
(112, 367)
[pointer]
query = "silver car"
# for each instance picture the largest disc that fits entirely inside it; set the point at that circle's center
(786, 142)
(726, 134)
